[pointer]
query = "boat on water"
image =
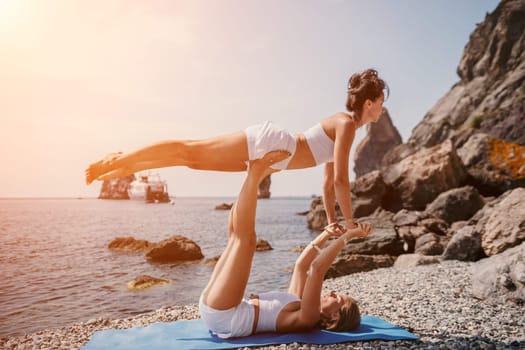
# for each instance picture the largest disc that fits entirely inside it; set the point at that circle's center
(150, 188)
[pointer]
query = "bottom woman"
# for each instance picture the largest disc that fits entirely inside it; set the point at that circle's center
(222, 305)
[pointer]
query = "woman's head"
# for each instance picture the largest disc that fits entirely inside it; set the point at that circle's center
(339, 313)
(366, 96)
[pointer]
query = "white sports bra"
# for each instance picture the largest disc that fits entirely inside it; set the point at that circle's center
(270, 305)
(320, 144)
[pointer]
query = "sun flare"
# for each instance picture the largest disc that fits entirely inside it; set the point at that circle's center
(10, 11)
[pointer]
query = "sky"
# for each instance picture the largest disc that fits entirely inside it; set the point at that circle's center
(80, 79)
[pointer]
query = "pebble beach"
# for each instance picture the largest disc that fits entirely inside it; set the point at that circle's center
(432, 301)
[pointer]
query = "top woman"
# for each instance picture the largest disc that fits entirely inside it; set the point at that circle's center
(328, 142)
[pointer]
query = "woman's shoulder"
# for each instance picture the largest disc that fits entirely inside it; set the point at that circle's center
(339, 120)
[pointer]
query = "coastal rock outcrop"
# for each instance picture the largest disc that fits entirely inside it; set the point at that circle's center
(174, 249)
(380, 138)
(501, 276)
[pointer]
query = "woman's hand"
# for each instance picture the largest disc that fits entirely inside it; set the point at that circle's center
(362, 230)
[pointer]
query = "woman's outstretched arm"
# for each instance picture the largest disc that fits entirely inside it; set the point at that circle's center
(310, 304)
(302, 264)
(345, 132)
(329, 192)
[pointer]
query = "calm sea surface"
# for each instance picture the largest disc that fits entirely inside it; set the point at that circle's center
(56, 269)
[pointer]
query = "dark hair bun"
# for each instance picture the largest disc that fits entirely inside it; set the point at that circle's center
(355, 81)
(361, 87)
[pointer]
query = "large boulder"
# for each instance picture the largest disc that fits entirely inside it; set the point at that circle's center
(501, 277)
(419, 179)
(489, 96)
(454, 205)
(411, 226)
(428, 244)
(406, 217)
(380, 138)
(494, 166)
(316, 217)
(174, 249)
(465, 245)
(368, 193)
(380, 242)
(130, 245)
(348, 264)
(501, 222)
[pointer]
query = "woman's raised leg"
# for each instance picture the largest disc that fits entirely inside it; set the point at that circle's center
(221, 153)
(230, 276)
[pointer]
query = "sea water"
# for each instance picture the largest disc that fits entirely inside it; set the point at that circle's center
(56, 269)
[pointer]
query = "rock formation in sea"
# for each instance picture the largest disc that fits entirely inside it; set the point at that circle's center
(224, 206)
(380, 138)
(174, 249)
(262, 245)
(456, 189)
(116, 188)
(264, 187)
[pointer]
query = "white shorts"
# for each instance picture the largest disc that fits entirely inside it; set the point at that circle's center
(234, 322)
(267, 137)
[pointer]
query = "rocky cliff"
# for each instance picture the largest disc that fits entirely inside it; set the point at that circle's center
(490, 96)
(380, 138)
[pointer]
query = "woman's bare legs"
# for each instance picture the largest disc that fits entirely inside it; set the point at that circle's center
(221, 153)
(230, 276)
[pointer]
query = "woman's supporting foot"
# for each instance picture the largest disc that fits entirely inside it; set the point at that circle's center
(263, 164)
(95, 170)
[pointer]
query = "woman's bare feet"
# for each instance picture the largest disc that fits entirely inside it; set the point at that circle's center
(115, 174)
(96, 170)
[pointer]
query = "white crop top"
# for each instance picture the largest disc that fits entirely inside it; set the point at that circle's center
(320, 144)
(270, 305)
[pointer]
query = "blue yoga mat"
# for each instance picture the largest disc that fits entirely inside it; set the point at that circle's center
(193, 334)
